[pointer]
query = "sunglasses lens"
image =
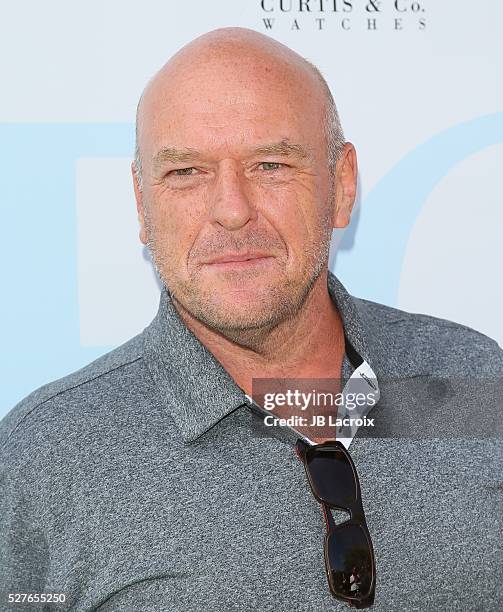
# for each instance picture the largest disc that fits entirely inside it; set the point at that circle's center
(332, 476)
(349, 562)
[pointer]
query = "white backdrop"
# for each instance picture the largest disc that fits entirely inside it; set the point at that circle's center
(419, 91)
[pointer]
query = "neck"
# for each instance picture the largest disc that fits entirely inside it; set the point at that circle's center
(308, 345)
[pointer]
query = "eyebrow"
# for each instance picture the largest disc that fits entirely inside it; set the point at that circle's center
(170, 154)
(282, 148)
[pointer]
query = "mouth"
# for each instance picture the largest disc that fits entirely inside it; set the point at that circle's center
(241, 261)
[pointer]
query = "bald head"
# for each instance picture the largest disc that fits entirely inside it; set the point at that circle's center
(255, 60)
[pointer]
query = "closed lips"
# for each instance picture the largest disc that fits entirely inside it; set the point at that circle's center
(238, 258)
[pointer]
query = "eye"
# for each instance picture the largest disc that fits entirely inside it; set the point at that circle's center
(182, 172)
(271, 165)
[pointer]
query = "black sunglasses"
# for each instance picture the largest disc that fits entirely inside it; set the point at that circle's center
(349, 555)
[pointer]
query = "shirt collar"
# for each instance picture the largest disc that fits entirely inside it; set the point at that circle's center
(193, 384)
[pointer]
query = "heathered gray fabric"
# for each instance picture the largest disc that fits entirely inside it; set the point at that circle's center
(139, 483)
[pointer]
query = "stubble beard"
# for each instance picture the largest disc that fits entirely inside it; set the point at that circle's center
(277, 305)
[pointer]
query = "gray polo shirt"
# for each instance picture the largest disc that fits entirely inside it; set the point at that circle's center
(143, 482)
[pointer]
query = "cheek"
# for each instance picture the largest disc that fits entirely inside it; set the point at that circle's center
(176, 222)
(299, 215)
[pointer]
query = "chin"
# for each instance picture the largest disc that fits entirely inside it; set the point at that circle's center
(239, 306)
(234, 315)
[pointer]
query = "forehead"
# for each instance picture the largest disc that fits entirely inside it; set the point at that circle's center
(232, 102)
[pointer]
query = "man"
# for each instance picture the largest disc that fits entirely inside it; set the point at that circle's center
(145, 482)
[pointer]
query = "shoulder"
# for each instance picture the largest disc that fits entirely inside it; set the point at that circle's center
(65, 398)
(426, 344)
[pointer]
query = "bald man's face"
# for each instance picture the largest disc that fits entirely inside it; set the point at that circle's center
(237, 203)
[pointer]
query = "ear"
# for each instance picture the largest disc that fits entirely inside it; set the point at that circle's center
(344, 185)
(139, 205)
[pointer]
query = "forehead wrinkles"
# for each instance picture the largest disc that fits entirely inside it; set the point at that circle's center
(228, 92)
(231, 128)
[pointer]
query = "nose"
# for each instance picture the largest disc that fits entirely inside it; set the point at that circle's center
(231, 206)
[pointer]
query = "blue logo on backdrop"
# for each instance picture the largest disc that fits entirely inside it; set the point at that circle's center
(40, 318)
(381, 232)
